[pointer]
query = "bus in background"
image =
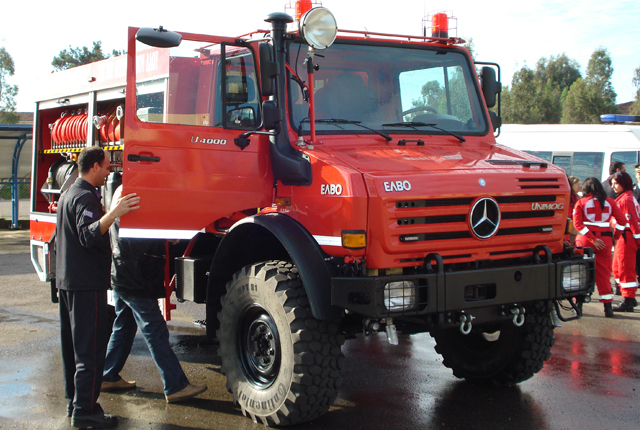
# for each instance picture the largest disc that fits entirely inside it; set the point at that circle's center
(582, 150)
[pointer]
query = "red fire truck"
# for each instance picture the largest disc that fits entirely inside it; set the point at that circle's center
(324, 184)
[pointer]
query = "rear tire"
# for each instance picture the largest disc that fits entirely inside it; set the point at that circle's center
(282, 365)
(515, 356)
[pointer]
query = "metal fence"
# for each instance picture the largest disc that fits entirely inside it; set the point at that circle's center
(22, 202)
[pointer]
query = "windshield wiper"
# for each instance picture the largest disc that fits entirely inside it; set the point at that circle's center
(347, 121)
(415, 125)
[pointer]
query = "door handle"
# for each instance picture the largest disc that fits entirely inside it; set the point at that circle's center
(136, 157)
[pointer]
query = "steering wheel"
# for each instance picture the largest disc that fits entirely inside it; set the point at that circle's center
(418, 109)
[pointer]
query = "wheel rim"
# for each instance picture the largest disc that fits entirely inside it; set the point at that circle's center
(259, 347)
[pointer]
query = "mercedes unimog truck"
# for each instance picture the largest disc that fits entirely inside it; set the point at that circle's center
(324, 184)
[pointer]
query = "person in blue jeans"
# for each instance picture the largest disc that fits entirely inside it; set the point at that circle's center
(137, 280)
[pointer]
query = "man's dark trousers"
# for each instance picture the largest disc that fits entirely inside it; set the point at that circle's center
(83, 325)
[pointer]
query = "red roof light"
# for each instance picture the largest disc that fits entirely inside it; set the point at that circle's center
(440, 25)
(302, 6)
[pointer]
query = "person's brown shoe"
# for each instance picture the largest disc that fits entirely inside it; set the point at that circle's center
(186, 393)
(120, 385)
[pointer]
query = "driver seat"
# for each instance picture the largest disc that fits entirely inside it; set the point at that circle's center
(345, 97)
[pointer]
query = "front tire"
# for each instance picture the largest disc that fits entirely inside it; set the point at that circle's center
(282, 365)
(502, 355)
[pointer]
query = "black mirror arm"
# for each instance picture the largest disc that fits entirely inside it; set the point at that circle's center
(243, 141)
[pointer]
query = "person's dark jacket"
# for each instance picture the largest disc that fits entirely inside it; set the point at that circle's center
(83, 255)
(607, 188)
(137, 265)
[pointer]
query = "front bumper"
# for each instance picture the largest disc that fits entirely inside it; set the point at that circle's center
(443, 292)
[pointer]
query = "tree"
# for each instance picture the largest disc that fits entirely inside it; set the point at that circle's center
(7, 92)
(561, 71)
(536, 95)
(594, 95)
(471, 47)
(577, 105)
(519, 101)
(79, 56)
(635, 107)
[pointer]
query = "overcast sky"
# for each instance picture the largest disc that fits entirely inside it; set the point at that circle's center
(510, 33)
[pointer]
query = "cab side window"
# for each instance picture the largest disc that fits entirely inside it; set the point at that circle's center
(174, 86)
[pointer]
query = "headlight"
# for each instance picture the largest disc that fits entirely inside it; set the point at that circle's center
(318, 28)
(574, 277)
(400, 296)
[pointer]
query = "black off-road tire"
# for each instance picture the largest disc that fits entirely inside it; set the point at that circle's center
(282, 365)
(515, 356)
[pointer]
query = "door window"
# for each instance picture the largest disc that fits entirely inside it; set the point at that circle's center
(183, 85)
(241, 102)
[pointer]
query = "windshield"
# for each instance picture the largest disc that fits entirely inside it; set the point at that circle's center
(387, 88)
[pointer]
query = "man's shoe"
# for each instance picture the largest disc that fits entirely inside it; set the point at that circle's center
(120, 385)
(69, 409)
(95, 421)
(618, 291)
(186, 393)
(625, 306)
(608, 310)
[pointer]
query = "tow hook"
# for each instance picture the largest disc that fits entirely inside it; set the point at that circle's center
(465, 323)
(518, 315)
(370, 326)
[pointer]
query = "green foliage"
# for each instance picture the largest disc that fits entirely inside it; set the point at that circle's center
(454, 102)
(536, 95)
(79, 56)
(589, 98)
(635, 107)
(8, 92)
(471, 47)
(24, 190)
(577, 105)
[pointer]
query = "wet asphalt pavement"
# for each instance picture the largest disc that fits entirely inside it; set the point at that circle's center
(592, 380)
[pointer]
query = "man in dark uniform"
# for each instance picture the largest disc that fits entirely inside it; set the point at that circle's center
(83, 263)
(616, 166)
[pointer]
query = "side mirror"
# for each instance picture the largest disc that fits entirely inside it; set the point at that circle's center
(270, 115)
(268, 69)
(490, 86)
(496, 121)
(159, 37)
(244, 117)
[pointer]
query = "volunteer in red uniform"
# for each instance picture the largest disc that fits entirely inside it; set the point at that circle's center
(592, 217)
(624, 257)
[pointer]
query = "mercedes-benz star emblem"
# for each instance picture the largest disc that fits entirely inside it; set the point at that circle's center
(484, 218)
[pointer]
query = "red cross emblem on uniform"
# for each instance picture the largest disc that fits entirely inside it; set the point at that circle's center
(595, 213)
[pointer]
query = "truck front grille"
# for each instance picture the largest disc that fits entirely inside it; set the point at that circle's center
(441, 225)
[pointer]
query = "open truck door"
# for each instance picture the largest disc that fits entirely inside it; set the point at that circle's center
(184, 107)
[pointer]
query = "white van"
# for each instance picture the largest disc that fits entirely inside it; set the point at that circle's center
(582, 150)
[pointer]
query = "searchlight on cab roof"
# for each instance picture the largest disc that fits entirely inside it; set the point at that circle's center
(318, 28)
(315, 24)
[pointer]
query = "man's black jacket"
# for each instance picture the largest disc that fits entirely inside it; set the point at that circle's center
(83, 255)
(138, 265)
